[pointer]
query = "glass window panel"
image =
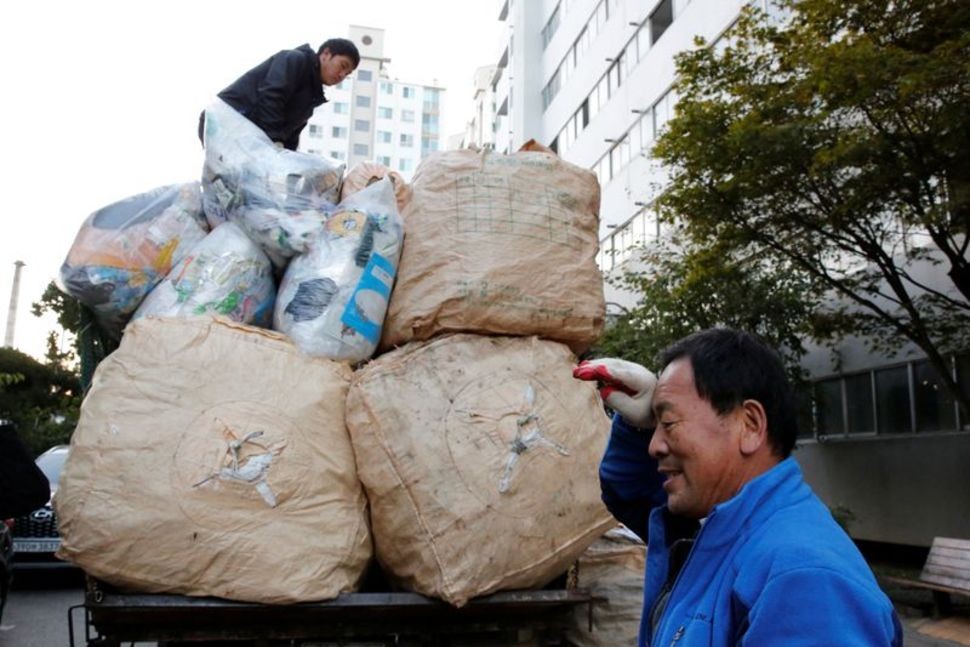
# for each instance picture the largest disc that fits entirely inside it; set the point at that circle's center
(361, 149)
(892, 401)
(935, 406)
(646, 130)
(594, 102)
(660, 19)
(361, 125)
(643, 41)
(859, 404)
(362, 101)
(364, 75)
(828, 407)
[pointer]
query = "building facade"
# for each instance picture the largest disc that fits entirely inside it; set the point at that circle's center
(372, 117)
(593, 79)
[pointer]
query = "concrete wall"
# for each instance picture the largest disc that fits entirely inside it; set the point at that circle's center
(903, 490)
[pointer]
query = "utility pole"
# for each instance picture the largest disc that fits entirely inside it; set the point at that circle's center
(12, 311)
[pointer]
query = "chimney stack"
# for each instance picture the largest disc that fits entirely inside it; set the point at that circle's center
(12, 311)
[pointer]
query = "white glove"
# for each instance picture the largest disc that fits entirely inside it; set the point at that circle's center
(625, 387)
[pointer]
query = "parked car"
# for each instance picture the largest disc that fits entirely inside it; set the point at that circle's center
(6, 562)
(35, 536)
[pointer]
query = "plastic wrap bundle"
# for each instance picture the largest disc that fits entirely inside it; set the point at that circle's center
(279, 197)
(123, 250)
(499, 244)
(479, 458)
(187, 475)
(225, 274)
(333, 298)
(366, 173)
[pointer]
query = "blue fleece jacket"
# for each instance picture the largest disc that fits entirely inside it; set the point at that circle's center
(768, 567)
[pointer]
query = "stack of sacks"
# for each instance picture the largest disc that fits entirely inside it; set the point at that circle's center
(611, 569)
(124, 250)
(225, 274)
(333, 298)
(366, 173)
(186, 475)
(499, 244)
(279, 197)
(466, 441)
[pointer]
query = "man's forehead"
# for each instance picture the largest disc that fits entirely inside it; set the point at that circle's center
(676, 380)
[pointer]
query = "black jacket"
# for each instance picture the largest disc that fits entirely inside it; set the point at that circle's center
(279, 94)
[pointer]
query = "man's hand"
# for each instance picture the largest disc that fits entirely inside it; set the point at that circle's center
(625, 387)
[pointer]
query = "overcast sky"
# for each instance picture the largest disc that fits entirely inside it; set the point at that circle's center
(101, 99)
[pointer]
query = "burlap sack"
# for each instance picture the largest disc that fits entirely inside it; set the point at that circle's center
(150, 499)
(500, 244)
(479, 457)
(611, 569)
(363, 174)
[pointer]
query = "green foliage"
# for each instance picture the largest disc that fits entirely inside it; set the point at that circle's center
(42, 401)
(687, 288)
(836, 151)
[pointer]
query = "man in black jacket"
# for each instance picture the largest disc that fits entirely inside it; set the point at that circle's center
(23, 487)
(280, 94)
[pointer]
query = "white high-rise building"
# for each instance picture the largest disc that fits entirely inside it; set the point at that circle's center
(372, 117)
(593, 79)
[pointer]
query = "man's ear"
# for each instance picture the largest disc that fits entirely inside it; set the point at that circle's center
(754, 427)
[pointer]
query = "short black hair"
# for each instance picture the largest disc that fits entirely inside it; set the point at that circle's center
(731, 366)
(341, 47)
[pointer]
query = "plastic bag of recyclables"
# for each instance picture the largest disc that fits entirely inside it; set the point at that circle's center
(499, 244)
(225, 274)
(125, 249)
(468, 441)
(188, 476)
(279, 197)
(364, 174)
(333, 298)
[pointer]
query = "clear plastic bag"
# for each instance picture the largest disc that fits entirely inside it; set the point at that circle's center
(333, 298)
(125, 249)
(279, 197)
(225, 274)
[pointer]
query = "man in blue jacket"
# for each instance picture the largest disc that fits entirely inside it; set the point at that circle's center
(280, 94)
(740, 550)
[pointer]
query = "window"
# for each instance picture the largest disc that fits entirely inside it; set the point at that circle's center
(892, 396)
(828, 407)
(339, 132)
(407, 141)
(362, 101)
(407, 116)
(643, 41)
(313, 151)
(431, 98)
(405, 164)
(384, 136)
(385, 113)
(341, 108)
(859, 404)
(387, 88)
(935, 407)
(660, 19)
(361, 149)
(361, 125)
(316, 131)
(551, 26)
(407, 92)
(551, 90)
(384, 160)
(364, 75)
(429, 144)
(338, 155)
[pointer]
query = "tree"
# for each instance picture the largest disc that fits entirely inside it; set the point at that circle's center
(40, 399)
(837, 146)
(687, 287)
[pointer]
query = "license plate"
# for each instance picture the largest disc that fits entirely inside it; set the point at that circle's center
(36, 545)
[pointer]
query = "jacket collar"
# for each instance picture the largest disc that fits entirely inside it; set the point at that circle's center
(314, 60)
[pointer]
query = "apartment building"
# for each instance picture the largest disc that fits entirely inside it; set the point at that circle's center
(593, 79)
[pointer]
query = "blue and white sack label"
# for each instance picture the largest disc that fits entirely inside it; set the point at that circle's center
(367, 306)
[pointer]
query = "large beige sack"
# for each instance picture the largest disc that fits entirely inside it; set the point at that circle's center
(479, 457)
(499, 244)
(147, 501)
(612, 568)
